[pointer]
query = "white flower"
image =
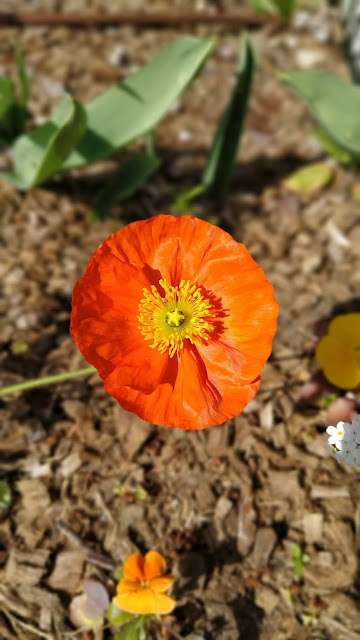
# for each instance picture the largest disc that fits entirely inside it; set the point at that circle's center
(337, 433)
(347, 452)
(344, 442)
(357, 457)
(355, 425)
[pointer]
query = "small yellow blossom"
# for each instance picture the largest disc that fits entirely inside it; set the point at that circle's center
(338, 352)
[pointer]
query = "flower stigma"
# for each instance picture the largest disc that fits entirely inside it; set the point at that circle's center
(182, 313)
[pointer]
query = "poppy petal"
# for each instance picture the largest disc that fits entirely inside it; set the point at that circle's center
(339, 362)
(154, 565)
(133, 569)
(145, 602)
(104, 323)
(192, 400)
(248, 303)
(166, 244)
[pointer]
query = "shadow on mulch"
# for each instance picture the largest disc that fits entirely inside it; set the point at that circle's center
(256, 175)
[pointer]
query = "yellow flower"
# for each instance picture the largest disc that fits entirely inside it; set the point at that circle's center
(338, 353)
(141, 589)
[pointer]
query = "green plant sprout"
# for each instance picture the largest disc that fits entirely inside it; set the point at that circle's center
(299, 559)
(5, 495)
(283, 8)
(77, 135)
(223, 152)
(13, 104)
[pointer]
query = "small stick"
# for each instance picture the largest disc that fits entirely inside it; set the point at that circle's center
(97, 559)
(78, 19)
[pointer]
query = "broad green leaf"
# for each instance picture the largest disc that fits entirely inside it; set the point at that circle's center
(332, 148)
(133, 173)
(5, 494)
(334, 103)
(40, 154)
(132, 108)
(309, 179)
(223, 152)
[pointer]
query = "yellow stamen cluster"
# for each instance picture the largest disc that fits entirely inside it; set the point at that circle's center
(178, 315)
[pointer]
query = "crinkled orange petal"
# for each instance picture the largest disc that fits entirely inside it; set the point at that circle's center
(161, 584)
(104, 322)
(154, 565)
(190, 400)
(338, 362)
(346, 329)
(133, 569)
(145, 602)
(171, 246)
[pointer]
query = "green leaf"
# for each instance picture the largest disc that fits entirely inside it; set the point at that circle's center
(332, 148)
(130, 632)
(118, 573)
(283, 8)
(40, 154)
(12, 108)
(309, 179)
(117, 616)
(136, 170)
(21, 102)
(182, 202)
(299, 558)
(7, 107)
(7, 95)
(223, 152)
(5, 495)
(132, 108)
(23, 77)
(334, 103)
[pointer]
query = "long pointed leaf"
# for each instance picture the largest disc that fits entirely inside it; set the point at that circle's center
(131, 108)
(223, 152)
(23, 77)
(333, 102)
(8, 106)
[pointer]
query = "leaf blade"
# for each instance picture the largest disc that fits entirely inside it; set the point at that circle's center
(40, 154)
(328, 98)
(223, 151)
(142, 99)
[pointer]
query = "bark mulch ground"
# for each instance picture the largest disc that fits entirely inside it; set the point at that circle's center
(225, 505)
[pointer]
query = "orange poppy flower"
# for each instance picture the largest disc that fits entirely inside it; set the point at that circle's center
(141, 589)
(178, 319)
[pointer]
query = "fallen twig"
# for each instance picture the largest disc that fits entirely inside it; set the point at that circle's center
(78, 19)
(94, 558)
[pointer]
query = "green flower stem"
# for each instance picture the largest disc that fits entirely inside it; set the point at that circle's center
(39, 382)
